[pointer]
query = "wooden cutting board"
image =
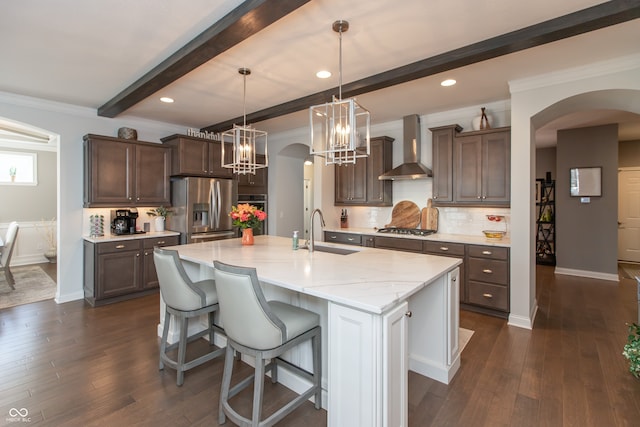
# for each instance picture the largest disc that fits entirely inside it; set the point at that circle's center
(429, 217)
(405, 214)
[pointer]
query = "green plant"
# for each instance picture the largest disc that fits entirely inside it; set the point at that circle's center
(632, 349)
(12, 171)
(160, 211)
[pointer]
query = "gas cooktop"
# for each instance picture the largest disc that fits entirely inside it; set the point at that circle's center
(410, 231)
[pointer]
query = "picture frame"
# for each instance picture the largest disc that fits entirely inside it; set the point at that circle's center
(586, 182)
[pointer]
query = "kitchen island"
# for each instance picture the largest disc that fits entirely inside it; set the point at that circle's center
(382, 313)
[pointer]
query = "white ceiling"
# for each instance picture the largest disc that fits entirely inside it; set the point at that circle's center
(86, 52)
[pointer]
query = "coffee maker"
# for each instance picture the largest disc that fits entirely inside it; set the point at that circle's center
(123, 221)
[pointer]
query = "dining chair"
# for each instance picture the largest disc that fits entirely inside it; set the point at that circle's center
(265, 330)
(184, 300)
(7, 251)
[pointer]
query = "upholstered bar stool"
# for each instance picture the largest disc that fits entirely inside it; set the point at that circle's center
(265, 330)
(184, 299)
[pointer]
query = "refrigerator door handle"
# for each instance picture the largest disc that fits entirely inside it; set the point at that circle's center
(218, 204)
(212, 218)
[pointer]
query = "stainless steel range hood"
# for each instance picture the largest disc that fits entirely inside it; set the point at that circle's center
(411, 168)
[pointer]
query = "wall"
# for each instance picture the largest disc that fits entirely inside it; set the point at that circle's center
(69, 124)
(535, 102)
(629, 154)
(31, 202)
(546, 162)
(587, 240)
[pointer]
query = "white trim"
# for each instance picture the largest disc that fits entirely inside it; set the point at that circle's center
(68, 297)
(571, 75)
(524, 322)
(589, 274)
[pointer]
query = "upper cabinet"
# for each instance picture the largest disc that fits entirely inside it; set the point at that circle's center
(119, 172)
(472, 168)
(197, 157)
(358, 184)
(253, 184)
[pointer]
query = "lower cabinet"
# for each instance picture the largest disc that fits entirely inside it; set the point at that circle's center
(115, 271)
(488, 277)
(484, 274)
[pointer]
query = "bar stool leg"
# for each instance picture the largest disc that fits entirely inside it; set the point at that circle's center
(165, 334)
(182, 349)
(226, 383)
(258, 388)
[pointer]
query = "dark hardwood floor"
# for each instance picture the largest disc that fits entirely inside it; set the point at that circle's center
(73, 365)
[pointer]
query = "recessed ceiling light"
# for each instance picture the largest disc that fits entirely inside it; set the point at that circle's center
(324, 74)
(448, 82)
(166, 99)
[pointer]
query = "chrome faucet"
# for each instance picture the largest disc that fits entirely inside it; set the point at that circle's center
(310, 241)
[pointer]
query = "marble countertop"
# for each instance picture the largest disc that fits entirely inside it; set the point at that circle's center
(373, 280)
(438, 237)
(117, 237)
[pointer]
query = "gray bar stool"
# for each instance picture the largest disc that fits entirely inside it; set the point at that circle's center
(265, 330)
(184, 300)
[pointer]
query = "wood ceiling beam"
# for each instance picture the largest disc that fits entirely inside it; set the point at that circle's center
(239, 24)
(580, 22)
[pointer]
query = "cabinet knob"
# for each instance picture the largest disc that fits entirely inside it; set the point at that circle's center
(138, 198)
(486, 252)
(138, 254)
(488, 271)
(408, 314)
(161, 242)
(454, 279)
(487, 296)
(479, 197)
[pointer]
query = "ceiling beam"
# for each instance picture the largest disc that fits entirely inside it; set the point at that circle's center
(583, 21)
(239, 24)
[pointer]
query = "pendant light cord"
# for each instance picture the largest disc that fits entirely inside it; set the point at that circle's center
(340, 67)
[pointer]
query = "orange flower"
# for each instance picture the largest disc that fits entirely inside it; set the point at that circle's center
(247, 216)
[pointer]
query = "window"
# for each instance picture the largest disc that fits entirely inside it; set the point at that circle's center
(18, 168)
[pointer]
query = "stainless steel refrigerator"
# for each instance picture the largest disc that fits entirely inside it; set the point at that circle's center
(201, 208)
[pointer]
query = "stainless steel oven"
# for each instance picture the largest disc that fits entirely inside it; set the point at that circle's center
(260, 202)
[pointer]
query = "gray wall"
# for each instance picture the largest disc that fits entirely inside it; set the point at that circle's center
(629, 155)
(587, 237)
(546, 162)
(31, 203)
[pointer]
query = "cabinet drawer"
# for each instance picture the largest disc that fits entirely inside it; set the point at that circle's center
(492, 296)
(488, 270)
(119, 246)
(160, 241)
(491, 252)
(346, 238)
(408, 245)
(444, 248)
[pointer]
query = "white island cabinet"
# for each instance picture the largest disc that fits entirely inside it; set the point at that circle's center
(382, 313)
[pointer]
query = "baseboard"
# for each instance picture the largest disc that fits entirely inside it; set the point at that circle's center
(74, 296)
(430, 369)
(588, 274)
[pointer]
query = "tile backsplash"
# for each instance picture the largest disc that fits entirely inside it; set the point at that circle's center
(451, 220)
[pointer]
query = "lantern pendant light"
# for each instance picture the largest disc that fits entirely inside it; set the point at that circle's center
(245, 141)
(340, 130)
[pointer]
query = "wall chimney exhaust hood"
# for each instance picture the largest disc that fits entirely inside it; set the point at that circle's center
(411, 168)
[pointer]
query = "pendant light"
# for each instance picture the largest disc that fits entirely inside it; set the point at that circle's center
(339, 129)
(245, 141)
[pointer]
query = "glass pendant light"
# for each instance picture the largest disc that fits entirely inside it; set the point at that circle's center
(340, 130)
(245, 141)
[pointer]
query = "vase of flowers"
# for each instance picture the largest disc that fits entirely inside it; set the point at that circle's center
(247, 217)
(160, 213)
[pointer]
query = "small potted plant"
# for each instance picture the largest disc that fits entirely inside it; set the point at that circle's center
(632, 349)
(160, 213)
(12, 173)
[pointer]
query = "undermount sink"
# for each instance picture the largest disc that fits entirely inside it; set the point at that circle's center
(334, 250)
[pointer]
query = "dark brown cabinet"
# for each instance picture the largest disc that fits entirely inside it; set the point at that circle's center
(123, 173)
(198, 157)
(484, 272)
(482, 172)
(442, 138)
(254, 184)
(471, 168)
(344, 238)
(358, 184)
(455, 250)
(115, 271)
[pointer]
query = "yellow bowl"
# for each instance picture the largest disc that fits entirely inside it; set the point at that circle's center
(493, 234)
